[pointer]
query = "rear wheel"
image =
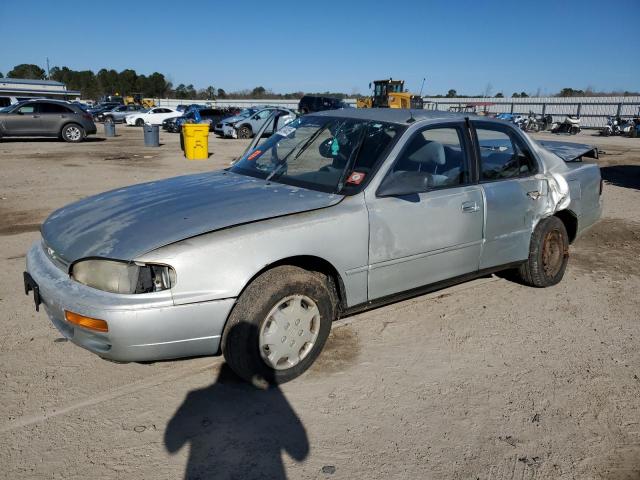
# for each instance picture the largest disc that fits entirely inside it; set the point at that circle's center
(244, 132)
(279, 325)
(548, 254)
(139, 122)
(72, 133)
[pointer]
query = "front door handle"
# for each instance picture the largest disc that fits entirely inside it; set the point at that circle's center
(470, 207)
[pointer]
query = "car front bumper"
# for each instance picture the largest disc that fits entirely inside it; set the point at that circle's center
(142, 327)
(229, 131)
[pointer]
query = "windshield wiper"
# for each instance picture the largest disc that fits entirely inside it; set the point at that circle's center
(304, 146)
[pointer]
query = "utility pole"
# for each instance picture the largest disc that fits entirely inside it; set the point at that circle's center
(48, 76)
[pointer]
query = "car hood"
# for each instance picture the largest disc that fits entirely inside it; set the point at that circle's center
(236, 118)
(128, 222)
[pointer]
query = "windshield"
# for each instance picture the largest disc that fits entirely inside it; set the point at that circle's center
(336, 155)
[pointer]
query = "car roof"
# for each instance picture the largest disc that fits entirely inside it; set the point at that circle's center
(393, 115)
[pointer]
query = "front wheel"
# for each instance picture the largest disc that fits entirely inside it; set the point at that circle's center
(139, 122)
(279, 325)
(244, 132)
(548, 254)
(73, 133)
(108, 119)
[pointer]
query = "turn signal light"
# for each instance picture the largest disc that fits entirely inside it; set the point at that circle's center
(86, 322)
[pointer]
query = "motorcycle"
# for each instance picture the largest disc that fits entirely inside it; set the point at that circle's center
(570, 125)
(536, 123)
(615, 126)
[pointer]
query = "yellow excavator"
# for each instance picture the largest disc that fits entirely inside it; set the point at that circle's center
(390, 94)
(136, 99)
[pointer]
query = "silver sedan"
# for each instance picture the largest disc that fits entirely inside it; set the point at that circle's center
(334, 213)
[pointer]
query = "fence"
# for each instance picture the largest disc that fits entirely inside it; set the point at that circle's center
(592, 110)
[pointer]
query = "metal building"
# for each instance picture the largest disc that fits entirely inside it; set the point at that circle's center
(15, 89)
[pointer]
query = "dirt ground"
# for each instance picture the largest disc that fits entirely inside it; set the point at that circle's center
(486, 380)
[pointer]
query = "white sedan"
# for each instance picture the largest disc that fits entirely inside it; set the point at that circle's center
(154, 116)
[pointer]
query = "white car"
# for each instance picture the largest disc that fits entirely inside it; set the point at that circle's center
(154, 116)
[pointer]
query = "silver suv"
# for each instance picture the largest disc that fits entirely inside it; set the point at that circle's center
(46, 118)
(118, 114)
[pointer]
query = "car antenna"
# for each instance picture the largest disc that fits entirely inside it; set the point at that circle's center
(411, 118)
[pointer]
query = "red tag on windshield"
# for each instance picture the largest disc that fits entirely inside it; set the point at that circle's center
(254, 155)
(356, 178)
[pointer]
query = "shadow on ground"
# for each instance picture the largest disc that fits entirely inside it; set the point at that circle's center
(236, 431)
(46, 140)
(627, 176)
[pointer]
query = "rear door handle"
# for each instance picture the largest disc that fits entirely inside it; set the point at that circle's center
(470, 207)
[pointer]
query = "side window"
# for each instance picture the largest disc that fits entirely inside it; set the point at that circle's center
(439, 152)
(5, 102)
(264, 114)
(503, 156)
(26, 108)
(53, 108)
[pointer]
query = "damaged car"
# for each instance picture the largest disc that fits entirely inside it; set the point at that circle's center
(335, 213)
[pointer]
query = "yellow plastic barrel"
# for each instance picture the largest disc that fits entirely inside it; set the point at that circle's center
(196, 140)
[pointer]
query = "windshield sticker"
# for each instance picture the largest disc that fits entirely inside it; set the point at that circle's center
(286, 131)
(255, 154)
(356, 178)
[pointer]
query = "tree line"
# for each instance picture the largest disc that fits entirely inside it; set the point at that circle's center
(565, 92)
(127, 82)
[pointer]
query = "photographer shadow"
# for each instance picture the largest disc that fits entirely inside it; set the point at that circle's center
(236, 431)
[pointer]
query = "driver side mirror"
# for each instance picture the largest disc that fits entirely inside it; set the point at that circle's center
(404, 183)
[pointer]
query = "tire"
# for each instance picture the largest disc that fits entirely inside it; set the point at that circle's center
(139, 122)
(605, 132)
(108, 119)
(253, 324)
(633, 133)
(245, 132)
(548, 254)
(72, 133)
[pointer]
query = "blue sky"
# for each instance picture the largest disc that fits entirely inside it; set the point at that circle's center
(337, 45)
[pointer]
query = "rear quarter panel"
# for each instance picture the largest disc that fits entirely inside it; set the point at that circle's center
(584, 186)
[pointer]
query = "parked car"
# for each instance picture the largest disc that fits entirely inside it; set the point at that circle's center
(101, 108)
(241, 115)
(6, 100)
(169, 124)
(337, 212)
(246, 127)
(314, 103)
(46, 118)
(209, 115)
(153, 116)
(119, 113)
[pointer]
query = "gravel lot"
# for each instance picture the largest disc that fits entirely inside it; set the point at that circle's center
(486, 380)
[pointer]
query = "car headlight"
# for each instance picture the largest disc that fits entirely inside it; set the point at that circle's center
(123, 277)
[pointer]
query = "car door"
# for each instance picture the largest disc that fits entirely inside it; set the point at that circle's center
(511, 189)
(24, 120)
(53, 116)
(423, 238)
(256, 121)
